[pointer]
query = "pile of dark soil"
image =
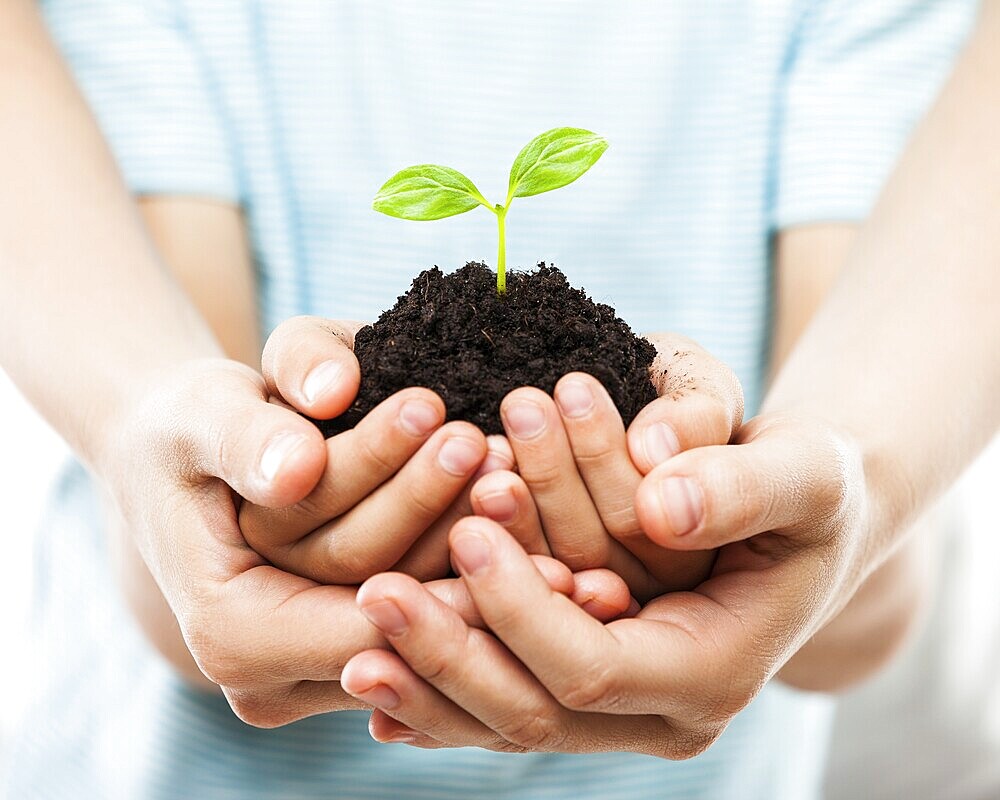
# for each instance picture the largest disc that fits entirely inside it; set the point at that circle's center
(456, 336)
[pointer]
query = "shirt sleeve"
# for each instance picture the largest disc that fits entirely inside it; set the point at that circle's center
(860, 76)
(141, 72)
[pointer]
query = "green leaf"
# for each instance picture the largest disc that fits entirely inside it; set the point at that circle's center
(553, 159)
(427, 191)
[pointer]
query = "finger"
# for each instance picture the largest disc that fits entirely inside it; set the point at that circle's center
(605, 590)
(259, 628)
(222, 427)
(484, 555)
(599, 592)
(573, 528)
(504, 497)
(429, 558)
(272, 708)
(597, 437)
(781, 479)
(700, 403)
(382, 679)
(630, 666)
(472, 669)
(376, 533)
(499, 456)
(385, 730)
(357, 462)
(309, 362)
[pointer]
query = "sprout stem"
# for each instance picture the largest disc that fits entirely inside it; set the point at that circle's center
(501, 213)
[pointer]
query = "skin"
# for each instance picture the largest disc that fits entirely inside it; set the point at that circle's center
(827, 485)
(553, 512)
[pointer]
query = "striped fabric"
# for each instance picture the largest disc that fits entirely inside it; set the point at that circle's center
(727, 121)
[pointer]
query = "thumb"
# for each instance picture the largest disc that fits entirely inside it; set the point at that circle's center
(781, 476)
(268, 454)
(309, 363)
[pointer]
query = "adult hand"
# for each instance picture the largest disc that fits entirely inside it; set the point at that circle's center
(579, 470)
(788, 507)
(398, 474)
(199, 438)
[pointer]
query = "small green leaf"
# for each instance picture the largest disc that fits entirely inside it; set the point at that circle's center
(553, 159)
(427, 191)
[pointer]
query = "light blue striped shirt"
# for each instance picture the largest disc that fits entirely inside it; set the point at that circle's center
(727, 121)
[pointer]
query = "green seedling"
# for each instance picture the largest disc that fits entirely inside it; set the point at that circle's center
(550, 160)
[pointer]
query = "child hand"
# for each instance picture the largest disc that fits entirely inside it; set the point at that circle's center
(393, 485)
(579, 471)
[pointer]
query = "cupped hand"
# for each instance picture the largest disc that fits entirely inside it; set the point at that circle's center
(399, 474)
(786, 503)
(579, 471)
(194, 442)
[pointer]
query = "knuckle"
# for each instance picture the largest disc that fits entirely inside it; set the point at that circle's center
(217, 647)
(621, 522)
(596, 689)
(425, 500)
(322, 504)
(578, 555)
(692, 743)
(257, 710)
(717, 419)
(847, 470)
(728, 703)
(593, 455)
(434, 668)
(344, 561)
(218, 663)
(503, 746)
(735, 694)
(533, 731)
(545, 478)
(443, 666)
(756, 499)
(373, 454)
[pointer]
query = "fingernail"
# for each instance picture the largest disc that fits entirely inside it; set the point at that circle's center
(472, 552)
(278, 452)
(418, 417)
(459, 456)
(500, 507)
(681, 498)
(524, 420)
(386, 616)
(380, 696)
(321, 379)
(659, 443)
(574, 398)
